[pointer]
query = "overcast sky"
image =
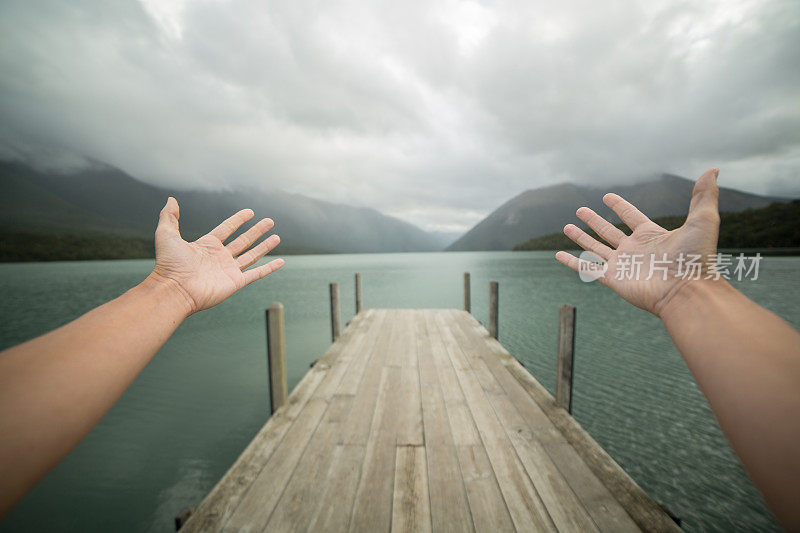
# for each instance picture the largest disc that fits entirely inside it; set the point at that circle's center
(432, 111)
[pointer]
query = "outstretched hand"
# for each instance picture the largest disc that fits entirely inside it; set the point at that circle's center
(207, 271)
(649, 241)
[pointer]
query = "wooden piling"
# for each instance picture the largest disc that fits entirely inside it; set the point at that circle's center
(276, 356)
(494, 300)
(334, 311)
(358, 292)
(466, 292)
(566, 353)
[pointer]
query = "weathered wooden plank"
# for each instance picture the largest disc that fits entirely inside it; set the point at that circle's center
(524, 505)
(489, 511)
(352, 379)
(409, 423)
(487, 506)
(451, 389)
(360, 340)
(260, 499)
(397, 350)
(562, 433)
(372, 509)
(296, 507)
(403, 339)
(340, 486)
(226, 495)
(561, 502)
(641, 508)
(411, 508)
(357, 428)
(605, 511)
(449, 504)
(461, 424)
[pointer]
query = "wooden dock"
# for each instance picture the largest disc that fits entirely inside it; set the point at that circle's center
(419, 420)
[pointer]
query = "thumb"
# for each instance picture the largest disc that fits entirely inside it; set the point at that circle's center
(705, 198)
(168, 218)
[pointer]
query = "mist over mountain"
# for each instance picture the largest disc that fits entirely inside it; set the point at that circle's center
(104, 200)
(547, 210)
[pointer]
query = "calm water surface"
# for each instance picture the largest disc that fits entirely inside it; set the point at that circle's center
(195, 407)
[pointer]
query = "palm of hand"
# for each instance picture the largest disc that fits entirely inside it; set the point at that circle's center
(204, 269)
(661, 254)
(655, 247)
(207, 271)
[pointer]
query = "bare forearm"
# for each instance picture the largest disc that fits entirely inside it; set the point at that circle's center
(55, 388)
(746, 361)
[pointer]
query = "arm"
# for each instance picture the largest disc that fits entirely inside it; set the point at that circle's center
(55, 388)
(745, 359)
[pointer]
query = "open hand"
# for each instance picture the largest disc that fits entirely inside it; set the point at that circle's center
(206, 271)
(648, 242)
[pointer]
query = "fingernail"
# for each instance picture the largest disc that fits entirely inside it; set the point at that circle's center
(715, 170)
(280, 262)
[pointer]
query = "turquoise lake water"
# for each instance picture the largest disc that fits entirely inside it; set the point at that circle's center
(195, 407)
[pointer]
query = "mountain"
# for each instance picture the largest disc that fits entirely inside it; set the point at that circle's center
(773, 227)
(103, 200)
(547, 210)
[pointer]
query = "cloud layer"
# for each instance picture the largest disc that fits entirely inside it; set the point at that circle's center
(432, 111)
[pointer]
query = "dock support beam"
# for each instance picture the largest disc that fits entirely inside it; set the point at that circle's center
(494, 301)
(358, 292)
(466, 292)
(276, 356)
(334, 311)
(566, 353)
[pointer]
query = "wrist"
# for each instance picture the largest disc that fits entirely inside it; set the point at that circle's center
(690, 295)
(169, 292)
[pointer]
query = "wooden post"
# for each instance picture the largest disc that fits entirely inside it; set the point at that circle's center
(494, 298)
(466, 292)
(334, 311)
(358, 292)
(566, 353)
(276, 356)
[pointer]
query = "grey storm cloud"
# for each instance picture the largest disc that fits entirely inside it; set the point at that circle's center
(432, 111)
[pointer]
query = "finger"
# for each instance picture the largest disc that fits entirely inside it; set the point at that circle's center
(626, 211)
(568, 260)
(243, 241)
(582, 239)
(258, 251)
(574, 263)
(227, 227)
(168, 217)
(705, 198)
(261, 271)
(607, 231)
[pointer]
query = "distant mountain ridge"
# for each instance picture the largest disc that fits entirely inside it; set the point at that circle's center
(538, 212)
(105, 200)
(775, 227)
